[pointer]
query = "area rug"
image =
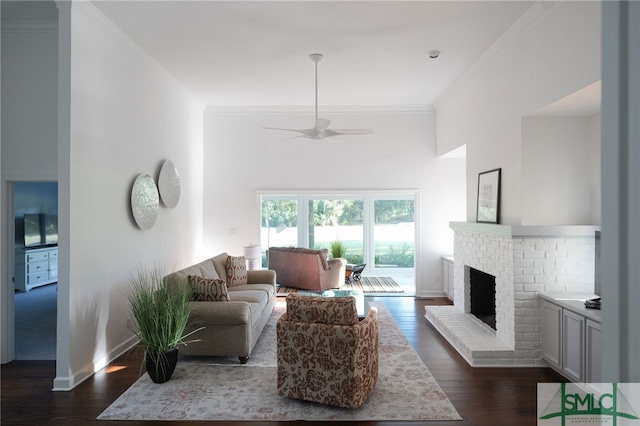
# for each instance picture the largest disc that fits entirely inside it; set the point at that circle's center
(366, 285)
(215, 388)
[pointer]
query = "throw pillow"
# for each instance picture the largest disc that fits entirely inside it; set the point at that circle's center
(236, 271)
(208, 289)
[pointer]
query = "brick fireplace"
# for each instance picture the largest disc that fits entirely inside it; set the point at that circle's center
(524, 260)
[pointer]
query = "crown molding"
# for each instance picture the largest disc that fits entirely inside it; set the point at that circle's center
(309, 109)
(93, 13)
(29, 27)
(526, 21)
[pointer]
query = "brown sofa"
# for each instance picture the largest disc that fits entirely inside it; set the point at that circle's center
(306, 269)
(232, 327)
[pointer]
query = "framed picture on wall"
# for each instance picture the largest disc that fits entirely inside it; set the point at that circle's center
(488, 197)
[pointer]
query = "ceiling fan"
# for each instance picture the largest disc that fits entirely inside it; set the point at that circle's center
(321, 129)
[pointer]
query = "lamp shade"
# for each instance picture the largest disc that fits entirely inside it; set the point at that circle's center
(253, 254)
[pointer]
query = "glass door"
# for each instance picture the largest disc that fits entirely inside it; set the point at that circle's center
(337, 222)
(279, 223)
(394, 233)
(375, 229)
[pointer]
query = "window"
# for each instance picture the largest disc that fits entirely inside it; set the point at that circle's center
(279, 223)
(337, 219)
(394, 233)
(377, 229)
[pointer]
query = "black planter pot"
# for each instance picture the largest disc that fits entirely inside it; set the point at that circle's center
(160, 365)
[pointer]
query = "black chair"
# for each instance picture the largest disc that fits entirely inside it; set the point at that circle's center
(355, 273)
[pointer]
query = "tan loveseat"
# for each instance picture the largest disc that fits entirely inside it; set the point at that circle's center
(231, 327)
(306, 269)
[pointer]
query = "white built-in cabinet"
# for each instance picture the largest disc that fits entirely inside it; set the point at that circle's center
(447, 276)
(573, 349)
(36, 267)
(551, 337)
(594, 352)
(571, 338)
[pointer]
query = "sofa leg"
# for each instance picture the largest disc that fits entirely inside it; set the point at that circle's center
(244, 359)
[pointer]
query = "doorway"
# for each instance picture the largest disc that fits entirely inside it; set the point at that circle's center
(35, 209)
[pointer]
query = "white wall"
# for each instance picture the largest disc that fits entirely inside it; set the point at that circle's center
(126, 116)
(4, 290)
(621, 195)
(595, 158)
(554, 51)
(29, 100)
(559, 172)
(241, 158)
(29, 136)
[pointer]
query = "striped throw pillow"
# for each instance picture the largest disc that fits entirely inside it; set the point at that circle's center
(208, 289)
(236, 271)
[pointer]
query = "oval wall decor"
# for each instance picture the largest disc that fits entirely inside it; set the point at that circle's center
(145, 201)
(169, 184)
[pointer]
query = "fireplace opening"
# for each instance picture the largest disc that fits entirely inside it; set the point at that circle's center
(483, 296)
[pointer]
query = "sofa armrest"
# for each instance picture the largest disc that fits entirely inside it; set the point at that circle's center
(337, 263)
(219, 313)
(261, 276)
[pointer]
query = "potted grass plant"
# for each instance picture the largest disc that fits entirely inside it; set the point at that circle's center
(160, 313)
(338, 249)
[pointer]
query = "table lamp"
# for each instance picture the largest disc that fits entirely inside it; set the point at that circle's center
(253, 254)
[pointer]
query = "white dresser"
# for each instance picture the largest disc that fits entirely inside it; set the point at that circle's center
(36, 267)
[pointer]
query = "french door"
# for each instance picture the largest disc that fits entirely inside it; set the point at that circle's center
(394, 235)
(375, 228)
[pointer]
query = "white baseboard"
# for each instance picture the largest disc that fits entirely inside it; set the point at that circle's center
(425, 294)
(66, 383)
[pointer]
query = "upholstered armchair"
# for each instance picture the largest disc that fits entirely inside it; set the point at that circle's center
(306, 269)
(324, 353)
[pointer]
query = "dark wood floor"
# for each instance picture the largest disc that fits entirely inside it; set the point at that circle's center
(482, 396)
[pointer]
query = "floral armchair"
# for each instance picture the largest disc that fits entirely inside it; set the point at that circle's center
(325, 354)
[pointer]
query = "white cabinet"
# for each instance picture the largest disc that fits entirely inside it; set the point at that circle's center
(36, 267)
(571, 338)
(594, 352)
(551, 337)
(447, 276)
(573, 349)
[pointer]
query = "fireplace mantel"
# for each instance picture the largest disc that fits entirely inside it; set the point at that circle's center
(508, 231)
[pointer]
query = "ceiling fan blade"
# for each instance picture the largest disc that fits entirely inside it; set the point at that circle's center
(347, 132)
(296, 137)
(308, 133)
(280, 128)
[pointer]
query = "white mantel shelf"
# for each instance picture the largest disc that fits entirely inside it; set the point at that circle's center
(508, 231)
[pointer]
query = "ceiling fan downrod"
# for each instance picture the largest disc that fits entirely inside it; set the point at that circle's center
(316, 57)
